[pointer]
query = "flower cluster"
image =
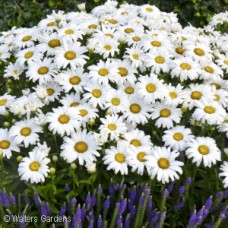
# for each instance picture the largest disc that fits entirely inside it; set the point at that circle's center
(126, 86)
(119, 206)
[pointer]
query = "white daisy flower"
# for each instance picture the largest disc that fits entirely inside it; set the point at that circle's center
(165, 115)
(70, 32)
(203, 149)
(114, 126)
(34, 168)
(25, 132)
(223, 127)
(177, 137)
(224, 173)
(137, 111)
(5, 102)
(72, 79)
(136, 158)
(81, 146)
(13, 70)
(163, 165)
(135, 55)
(25, 37)
(63, 120)
(7, 144)
(41, 70)
(103, 71)
(150, 88)
(71, 54)
(210, 112)
(222, 61)
(115, 158)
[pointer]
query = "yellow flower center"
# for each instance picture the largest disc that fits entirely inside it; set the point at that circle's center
(26, 38)
(25, 131)
(75, 80)
(136, 38)
(43, 70)
(173, 95)
(64, 119)
(119, 157)
(165, 112)
(225, 121)
(52, 23)
(112, 21)
(135, 108)
(70, 55)
(15, 71)
(156, 43)
(83, 112)
(128, 30)
(54, 43)
(107, 47)
(209, 69)
(69, 31)
(163, 163)
(129, 90)
(115, 101)
(209, 109)
(103, 72)
(34, 166)
(179, 50)
(112, 127)
(92, 26)
(150, 88)
(199, 51)
(135, 56)
(74, 104)
(225, 62)
(216, 97)
(149, 9)
(81, 147)
(159, 59)
(135, 142)
(185, 66)
(28, 54)
(196, 95)
(4, 144)
(217, 86)
(109, 34)
(178, 136)
(140, 156)
(204, 150)
(96, 93)
(50, 91)
(3, 102)
(123, 71)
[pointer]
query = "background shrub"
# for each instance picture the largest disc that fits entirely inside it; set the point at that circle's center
(27, 13)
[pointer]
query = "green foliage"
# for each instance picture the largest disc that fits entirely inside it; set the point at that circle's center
(27, 13)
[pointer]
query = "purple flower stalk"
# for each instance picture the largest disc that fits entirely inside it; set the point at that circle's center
(188, 181)
(62, 211)
(193, 219)
(73, 201)
(179, 205)
(67, 189)
(133, 194)
(170, 187)
(37, 199)
(12, 199)
(4, 199)
(45, 210)
(119, 221)
(122, 207)
(107, 203)
(181, 190)
(127, 222)
(208, 203)
(100, 222)
(77, 218)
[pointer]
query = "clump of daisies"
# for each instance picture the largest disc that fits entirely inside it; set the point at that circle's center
(124, 90)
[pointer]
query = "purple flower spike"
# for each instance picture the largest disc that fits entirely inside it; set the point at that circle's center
(88, 200)
(133, 194)
(99, 190)
(170, 187)
(223, 214)
(107, 203)
(100, 222)
(188, 181)
(178, 206)
(62, 211)
(127, 222)
(166, 193)
(77, 218)
(73, 201)
(112, 189)
(12, 199)
(119, 221)
(67, 189)
(219, 195)
(4, 199)
(193, 219)
(181, 190)
(45, 210)
(37, 199)
(123, 205)
(150, 204)
(208, 203)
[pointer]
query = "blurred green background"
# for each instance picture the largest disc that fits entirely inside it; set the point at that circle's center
(27, 13)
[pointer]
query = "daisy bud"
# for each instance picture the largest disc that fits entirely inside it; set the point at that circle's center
(6, 114)
(14, 121)
(91, 121)
(184, 108)
(55, 158)
(81, 7)
(6, 124)
(73, 166)
(19, 158)
(52, 170)
(9, 81)
(9, 90)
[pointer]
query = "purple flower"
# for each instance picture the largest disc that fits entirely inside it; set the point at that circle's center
(219, 195)
(163, 216)
(77, 218)
(112, 189)
(88, 200)
(100, 222)
(93, 200)
(166, 193)
(62, 211)
(107, 203)
(154, 217)
(208, 203)
(67, 189)
(181, 190)
(149, 203)
(37, 199)
(119, 221)
(193, 219)
(45, 210)
(188, 181)
(133, 194)
(99, 189)
(170, 187)
(223, 213)
(179, 205)
(12, 199)
(127, 222)
(73, 201)
(122, 207)
(4, 199)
